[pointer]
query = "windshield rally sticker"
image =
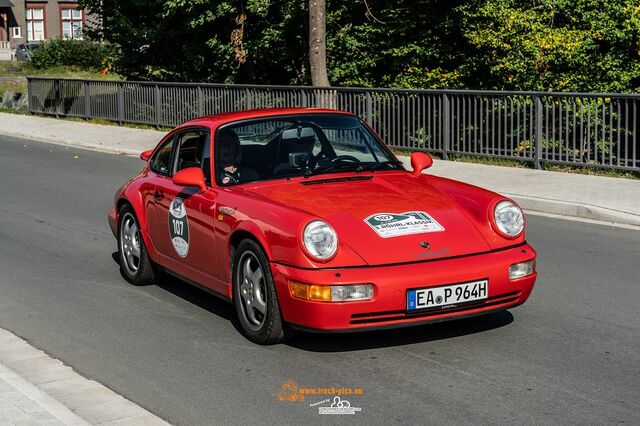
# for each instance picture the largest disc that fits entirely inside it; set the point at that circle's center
(389, 225)
(179, 227)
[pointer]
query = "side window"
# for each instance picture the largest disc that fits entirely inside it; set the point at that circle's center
(161, 161)
(193, 151)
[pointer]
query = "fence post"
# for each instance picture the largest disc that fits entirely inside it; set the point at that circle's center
(537, 149)
(247, 94)
(303, 97)
(369, 109)
(87, 100)
(446, 126)
(156, 99)
(30, 95)
(200, 102)
(120, 105)
(56, 86)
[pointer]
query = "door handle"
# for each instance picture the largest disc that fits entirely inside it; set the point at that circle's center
(158, 195)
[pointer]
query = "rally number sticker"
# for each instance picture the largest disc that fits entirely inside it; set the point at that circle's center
(179, 227)
(389, 225)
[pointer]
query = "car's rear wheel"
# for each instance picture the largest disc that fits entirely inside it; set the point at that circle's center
(135, 265)
(255, 296)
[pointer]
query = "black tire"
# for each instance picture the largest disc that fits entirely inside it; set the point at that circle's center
(272, 328)
(137, 274)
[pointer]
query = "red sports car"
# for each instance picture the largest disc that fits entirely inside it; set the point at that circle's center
(304, 219)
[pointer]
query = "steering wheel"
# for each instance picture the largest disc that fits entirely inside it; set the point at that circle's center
(345, 158)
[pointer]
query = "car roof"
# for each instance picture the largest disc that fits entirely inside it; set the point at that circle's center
(229, 117)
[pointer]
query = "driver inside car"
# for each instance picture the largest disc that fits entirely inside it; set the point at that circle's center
(230, 156)
(296, 150)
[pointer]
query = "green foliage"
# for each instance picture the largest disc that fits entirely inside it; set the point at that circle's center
(559, 45)
(84, 54)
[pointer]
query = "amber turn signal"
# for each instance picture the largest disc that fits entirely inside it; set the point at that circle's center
(328, 293)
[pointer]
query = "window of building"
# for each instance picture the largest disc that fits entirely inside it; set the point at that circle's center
(35, 24)
(72, 23)
(16, 32)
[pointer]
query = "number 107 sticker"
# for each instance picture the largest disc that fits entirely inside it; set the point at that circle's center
(179, 227)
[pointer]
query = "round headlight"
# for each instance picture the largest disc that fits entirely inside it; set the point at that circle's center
(320, 239)
(508, 218)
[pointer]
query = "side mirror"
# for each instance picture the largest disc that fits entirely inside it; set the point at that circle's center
(191, 176)
(420, 161)
(146, 155)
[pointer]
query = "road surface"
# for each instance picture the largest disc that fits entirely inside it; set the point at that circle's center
(571, 354)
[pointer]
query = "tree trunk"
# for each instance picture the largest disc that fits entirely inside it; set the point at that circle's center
(317, 45)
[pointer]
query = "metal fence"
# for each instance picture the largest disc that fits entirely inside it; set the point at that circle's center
(585, 129)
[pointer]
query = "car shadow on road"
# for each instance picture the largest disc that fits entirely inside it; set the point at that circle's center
(338, 342)
(315, 342)
(194, 294)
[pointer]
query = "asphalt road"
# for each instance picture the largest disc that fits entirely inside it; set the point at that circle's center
(571, 354)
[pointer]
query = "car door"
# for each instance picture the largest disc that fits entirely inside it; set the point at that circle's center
(182, 226)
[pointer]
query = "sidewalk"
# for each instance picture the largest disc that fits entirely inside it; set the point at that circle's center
(589, 197)
(36, 389)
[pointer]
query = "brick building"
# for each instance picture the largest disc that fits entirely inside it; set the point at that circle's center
(23, 21)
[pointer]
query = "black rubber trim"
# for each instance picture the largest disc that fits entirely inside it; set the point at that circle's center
(400, 324)
(194, 284)
(332, 180)
(404, 315)
(402, 263)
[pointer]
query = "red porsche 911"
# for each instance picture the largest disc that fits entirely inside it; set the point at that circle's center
(304, 219)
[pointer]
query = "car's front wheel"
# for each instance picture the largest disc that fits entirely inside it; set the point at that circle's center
(255, 296)
(135, 264)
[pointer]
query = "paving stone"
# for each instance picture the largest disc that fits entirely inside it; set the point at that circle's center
(41, 415)
(27, 405)
(69, 386)
(25, 422)
(13, 414)
(5, 403)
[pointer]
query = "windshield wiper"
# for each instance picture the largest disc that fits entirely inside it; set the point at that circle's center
(356, 167)
(370, 167)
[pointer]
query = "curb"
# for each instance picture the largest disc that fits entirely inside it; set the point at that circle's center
(65, 394)
(573, 209)
(51, 405)
(63, 142)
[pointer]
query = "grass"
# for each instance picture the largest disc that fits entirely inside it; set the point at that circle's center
(505, 162)
(591, 171)
(9, 111)
(12, 75)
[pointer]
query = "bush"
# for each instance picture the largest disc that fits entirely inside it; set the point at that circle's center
(90, 55)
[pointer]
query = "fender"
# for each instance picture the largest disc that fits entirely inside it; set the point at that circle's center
(255, 231)
(477, 204)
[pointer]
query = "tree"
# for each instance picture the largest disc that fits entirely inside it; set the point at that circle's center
(562, 45)
(317, 43)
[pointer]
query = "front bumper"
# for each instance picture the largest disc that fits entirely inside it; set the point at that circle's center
(387, 308)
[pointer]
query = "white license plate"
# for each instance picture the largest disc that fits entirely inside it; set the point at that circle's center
(448, 296)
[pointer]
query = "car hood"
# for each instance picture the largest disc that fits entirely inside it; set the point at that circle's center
(385, 218)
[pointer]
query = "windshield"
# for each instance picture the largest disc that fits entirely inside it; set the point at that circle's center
(300, 145)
